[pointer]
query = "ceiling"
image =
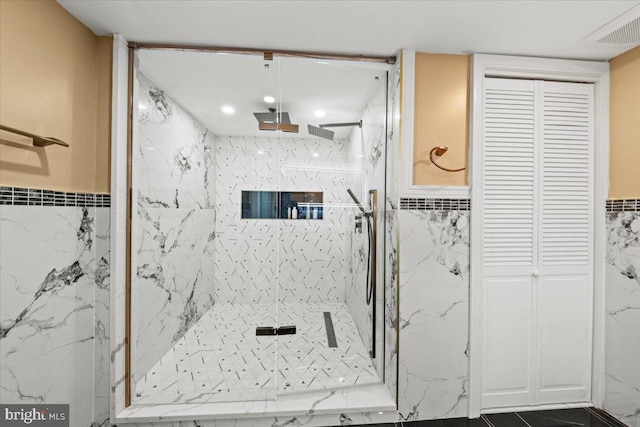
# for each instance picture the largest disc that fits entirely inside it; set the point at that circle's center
(204, 83)
(516, 27)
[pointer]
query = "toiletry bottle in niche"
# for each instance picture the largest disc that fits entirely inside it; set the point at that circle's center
(289, 212)
(294, 213)
(314, 213)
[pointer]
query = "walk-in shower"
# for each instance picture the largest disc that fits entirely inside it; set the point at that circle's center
(249, 277)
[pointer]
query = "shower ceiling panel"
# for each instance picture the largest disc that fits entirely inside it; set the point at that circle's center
(203, 83)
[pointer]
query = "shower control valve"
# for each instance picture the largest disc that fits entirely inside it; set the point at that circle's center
(358, 226)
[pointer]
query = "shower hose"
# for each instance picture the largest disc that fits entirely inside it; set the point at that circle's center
(369, 290)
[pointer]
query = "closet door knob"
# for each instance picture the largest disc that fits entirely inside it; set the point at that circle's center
(536, 273)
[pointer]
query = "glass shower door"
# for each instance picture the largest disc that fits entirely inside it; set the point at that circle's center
(203, 256)
(323, 250)
(252, 275)
(246, 228)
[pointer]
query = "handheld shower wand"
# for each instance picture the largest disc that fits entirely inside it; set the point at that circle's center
(357, 202)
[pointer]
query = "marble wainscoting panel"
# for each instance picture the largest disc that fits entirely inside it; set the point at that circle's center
(173, 164)
(173, 279)
(101, 314)
(117, 291)
(622, 330)
(391, 313)
(434, 309)
(391, 323)
(256, 258)
(48, 275)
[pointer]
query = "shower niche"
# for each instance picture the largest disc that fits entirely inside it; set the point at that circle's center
(241, 218)
(282, 205)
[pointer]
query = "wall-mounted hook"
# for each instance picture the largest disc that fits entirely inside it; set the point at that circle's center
(439, 151)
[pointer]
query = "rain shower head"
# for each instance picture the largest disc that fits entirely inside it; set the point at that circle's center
(274, 120)
(341, 125)
(273, 117)
(319, 132)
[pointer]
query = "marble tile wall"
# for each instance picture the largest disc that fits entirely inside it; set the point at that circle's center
(259, 261)
(434, 308)
(434, 311)
(173, 229)
(391, 258)
(366, 151)
(102, 356)
(309, 420)
(622, 322)
(173, 159)
(118, 218)
(52, 327)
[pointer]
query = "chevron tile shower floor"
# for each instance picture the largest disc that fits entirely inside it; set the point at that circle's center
(220, 358)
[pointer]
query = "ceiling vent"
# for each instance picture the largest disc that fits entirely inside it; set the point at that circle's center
(622, 31)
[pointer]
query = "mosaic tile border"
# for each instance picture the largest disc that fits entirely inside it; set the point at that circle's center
(429, 204)
(623, 205)
(425, 204)
(18, 196)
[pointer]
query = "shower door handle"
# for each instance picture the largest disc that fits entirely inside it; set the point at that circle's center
(373, 199)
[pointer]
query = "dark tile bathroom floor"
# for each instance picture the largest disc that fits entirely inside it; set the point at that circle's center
(587, 417)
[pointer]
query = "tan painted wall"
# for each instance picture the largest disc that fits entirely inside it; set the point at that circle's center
(103, 130)
(441, 117)
(624, 108)
(55, 80)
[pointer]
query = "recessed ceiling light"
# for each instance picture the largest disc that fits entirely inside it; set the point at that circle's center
(315, 154)
(141, 106)
(360, 155)
(269, 99)
(228, 110)
(260, 152)
(319, 113)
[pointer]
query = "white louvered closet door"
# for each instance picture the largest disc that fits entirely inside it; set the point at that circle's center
(565, 262)
(537, 242)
